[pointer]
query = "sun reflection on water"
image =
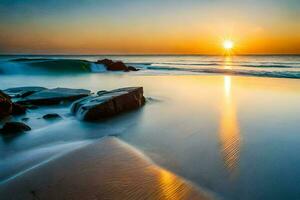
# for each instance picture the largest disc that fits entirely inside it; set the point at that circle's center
(229, 129)
(228, 62)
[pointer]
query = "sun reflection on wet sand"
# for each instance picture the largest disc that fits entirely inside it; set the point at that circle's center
(107, 169)
(229, 129)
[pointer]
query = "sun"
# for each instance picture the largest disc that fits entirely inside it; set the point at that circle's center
(228, 44)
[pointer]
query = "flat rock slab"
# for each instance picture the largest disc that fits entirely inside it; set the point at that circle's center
(108, 104)
(21, 92)
(54, 96)
(107, 169)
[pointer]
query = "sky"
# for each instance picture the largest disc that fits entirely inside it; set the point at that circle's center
(149, 26)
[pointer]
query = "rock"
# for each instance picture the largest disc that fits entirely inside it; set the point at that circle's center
(21, 92)
(51, 116)
(130, 68)
(54, 96)
(106, 62)
(108, 104)
(115, 66)
(14, 127)
(18, 109)
(5, 105)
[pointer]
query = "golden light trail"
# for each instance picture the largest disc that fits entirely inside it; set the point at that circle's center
(229, 129)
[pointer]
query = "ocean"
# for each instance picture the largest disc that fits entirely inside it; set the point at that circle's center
(287, 66)
(228, 125)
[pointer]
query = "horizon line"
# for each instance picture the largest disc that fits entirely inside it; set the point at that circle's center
(246, 54)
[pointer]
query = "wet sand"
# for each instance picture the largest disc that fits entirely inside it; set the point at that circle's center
(106, 169)
(235, 136)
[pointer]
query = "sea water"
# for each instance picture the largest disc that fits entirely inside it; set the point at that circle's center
(234, 134)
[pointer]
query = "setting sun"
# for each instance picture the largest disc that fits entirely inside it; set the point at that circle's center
(228, 44)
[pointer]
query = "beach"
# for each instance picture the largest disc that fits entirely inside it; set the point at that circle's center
(201, 134)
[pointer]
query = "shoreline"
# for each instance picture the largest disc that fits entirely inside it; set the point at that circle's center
(107, 169)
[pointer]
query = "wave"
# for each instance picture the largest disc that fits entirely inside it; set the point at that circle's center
(56, 66)
(242, 64)
(269, 66)
(272, 74)
(72, 66)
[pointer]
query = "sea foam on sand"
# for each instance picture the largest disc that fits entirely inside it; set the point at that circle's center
(106, 169)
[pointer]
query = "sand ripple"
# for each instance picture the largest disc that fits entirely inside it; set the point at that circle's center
(108, 169)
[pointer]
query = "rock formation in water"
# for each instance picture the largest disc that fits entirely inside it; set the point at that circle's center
(116, 66)
(108, 104)
(21, 92)
(18, 109)
(5, 105)
(51, 116)
(14, 127)
(54, 96)
(86, 106)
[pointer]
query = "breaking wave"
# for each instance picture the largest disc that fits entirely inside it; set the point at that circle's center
(57, 66)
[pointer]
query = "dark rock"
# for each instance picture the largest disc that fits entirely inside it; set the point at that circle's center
(106, 62)
(115, 66)
(130, 68)
(5, 105)
(108, 104)
(21, 92)
(54, 96)
(14, 127)
(18, 109)
(52, 116)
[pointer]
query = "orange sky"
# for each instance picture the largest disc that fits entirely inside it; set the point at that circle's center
(143, 27)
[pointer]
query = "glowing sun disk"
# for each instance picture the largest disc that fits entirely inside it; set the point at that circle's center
(228, 44)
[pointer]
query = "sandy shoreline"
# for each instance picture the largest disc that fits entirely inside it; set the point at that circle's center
(106, 169)
(207, 129)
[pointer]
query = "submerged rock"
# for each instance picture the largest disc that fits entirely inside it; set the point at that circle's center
(131, 68)
(108, 104)
(5, 105)
(115, 66)
(51, 116)
(14, 127)
(21, 92)
(54, 96)
(18, 109)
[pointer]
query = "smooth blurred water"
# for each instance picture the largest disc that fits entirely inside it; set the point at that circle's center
(280, 66)
(234, 135)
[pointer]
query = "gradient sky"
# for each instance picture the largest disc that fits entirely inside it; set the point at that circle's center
(149, 26)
